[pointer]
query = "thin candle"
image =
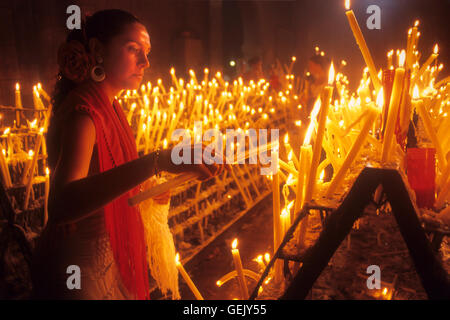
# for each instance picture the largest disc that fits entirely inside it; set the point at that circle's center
(187, 279)
(239, 270)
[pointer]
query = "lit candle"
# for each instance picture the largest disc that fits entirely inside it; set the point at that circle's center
(239, 270)
(354, 151)
(305, 153)
(130, 112)
(42, 92)
(174, 78)
(394, 105)
(18, 103)
(4, 169)
(327, 93)
(419, 105)
(187, 279)
(32, 167)
(277, 228)
(140, 127)
(427, 63)
(362, 45)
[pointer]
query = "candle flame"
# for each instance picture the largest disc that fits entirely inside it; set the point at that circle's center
(294, 58)
(47, 171)
(314, 114)
(401, 59)
(331, 74)
(7, 130)
(172, 71)
(409, 31)
(218, 283)
(380, 98)
(436, 49)
(347, 4)
(322, 175)
(234, 244)
(416, 92)
(267, 257)
(286, 138)
(385, 291)
(177, 258)
(416, 23)
(17, 86)
(30, 153)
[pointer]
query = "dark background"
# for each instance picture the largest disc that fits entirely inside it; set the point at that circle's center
(202, 33)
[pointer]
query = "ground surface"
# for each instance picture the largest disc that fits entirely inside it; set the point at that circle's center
(376, 242)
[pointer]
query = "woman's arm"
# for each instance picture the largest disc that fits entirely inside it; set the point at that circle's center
(74, 195)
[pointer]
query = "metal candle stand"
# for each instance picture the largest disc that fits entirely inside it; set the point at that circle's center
(339, 223)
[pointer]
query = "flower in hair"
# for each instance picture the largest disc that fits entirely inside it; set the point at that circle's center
(74, 62)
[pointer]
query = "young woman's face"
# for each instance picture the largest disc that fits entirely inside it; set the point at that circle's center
(126, 57)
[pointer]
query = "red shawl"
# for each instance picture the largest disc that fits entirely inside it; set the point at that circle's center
(116, 145)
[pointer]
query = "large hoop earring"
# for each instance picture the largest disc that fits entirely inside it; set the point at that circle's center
(98, 73)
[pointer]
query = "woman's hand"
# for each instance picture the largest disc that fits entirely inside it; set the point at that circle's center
(205, 171)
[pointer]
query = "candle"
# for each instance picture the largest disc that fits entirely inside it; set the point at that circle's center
(32, 167)
(187, 279)
(277, 228)
(140, 127)
(427, 63)
(305, 153)
(130, 112)
(18, 103)
(389, 55)
(5, 170)
(43, 93)
(418, 104)
(47, 189)
(354, 151)
(162, 127)
(362, 45)
(174, 78)
(239, 270)
(394, 105)
(327, 93)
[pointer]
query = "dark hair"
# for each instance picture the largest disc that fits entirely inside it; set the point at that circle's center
(103, 25)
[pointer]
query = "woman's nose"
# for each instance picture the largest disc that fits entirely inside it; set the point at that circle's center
(143, 62)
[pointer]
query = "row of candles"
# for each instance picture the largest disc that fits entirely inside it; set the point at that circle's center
(372, 118)
(11, 147)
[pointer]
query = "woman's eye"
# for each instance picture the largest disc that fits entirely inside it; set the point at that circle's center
(134, 49)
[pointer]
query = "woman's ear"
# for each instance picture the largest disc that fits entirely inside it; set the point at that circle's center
(96, 49)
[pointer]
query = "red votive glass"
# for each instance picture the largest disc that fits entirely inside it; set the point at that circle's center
(421, 171)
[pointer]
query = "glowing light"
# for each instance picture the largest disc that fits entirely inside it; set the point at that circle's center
(17, 86)
(314, 114)
(436, 49)
(380, 98)
(177, 258)
(416, 92)
(331, 74)
(234, 244)
(401, 59)
(347, 4)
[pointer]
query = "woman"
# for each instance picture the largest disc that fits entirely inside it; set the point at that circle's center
(95, 167)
